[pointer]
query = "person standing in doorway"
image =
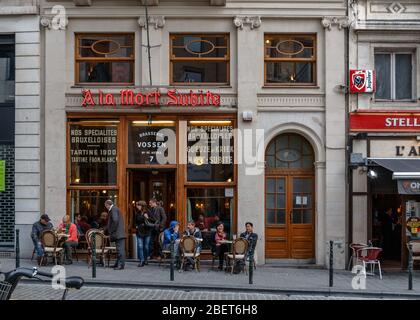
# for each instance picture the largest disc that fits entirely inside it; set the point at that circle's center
(144, 228)
(158, 215)
(116, 230)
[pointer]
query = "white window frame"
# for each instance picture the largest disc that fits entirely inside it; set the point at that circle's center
(413, 73)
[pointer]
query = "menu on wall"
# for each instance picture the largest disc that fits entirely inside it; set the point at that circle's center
(93, 144)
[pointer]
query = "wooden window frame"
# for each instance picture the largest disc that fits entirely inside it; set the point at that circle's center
(313, 60)
(173, 58)
(78, 59)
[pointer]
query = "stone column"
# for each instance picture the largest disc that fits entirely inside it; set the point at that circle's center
(335, 133)
(55, 118)
(250, 184)
(155, 25)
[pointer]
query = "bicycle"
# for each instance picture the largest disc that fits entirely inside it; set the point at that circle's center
(12, 278)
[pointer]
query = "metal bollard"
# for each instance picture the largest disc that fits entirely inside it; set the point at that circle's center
(331, 263)
(410, 266)
(172, 258)
(17, 249)
(251, 261)
(93, 254)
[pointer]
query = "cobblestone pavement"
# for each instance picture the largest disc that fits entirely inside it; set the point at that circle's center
(26, 291)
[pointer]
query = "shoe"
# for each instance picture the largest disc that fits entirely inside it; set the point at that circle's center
(141, 264)
(146, 262)
(119, 268)
(68, 262)
(220, 268)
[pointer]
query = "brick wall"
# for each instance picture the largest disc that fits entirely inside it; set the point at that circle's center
(7, 198)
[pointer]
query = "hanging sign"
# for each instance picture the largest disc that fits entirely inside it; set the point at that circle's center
(362, 81)
(384, 122)
(409, 186)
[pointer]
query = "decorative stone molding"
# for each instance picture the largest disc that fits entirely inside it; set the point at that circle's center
(82, 2)
(59, 22)
(150, 2)
(156, 21)
(340, 22)
(253, 22)
(291, 100)
(217, 2)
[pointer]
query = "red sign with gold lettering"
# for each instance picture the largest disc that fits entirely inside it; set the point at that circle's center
(128, 97)
(385, 122)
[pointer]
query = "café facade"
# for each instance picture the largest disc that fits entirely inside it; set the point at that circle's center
(384, 128)
(223, 110)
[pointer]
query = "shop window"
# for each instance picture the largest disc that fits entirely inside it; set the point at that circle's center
(394, 76)
(208, 206)
(105, 58)
(290, 59)
(90, 204)
(199, 59)
(210, 151)
(93, 153)
(288, 151)
(152, 142)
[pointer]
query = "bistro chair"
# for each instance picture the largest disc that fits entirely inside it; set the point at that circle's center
(100, 250)
(189, 250)
(164, 254)
(416, 250)
(239, 250)
(49, 241)
(111, 247)
(370, 255)
(354, 247)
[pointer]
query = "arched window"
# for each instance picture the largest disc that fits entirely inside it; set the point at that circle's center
(289, 151)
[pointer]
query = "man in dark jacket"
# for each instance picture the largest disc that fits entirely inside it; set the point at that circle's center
(250, 236)
(158, 215)
(37, 229)
(116, 230)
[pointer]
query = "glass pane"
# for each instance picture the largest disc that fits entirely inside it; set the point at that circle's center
(289, 72)
(282, 164)
(297, 216)
(270, 161)
(7, 124)
(93, 154)
(271, 185)
(280, 185)
(210, 153)
(208, 207)
(403, 76)
(271, 217)
(90, 205)
(306, 201)
(7, 70)
(307, 162)
(115, 72)
(307, 216)
(271, 149)
(152, 143)
(383, 76)
(269, 201)
(302, 185)
(106, 46)
(200, 71)
(281, 201)
(281, 217)
(282, 142)
(306, 148)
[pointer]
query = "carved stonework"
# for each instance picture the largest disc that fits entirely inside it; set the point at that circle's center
(156, 21)
(340, 22)
(396, 7)
(217, 2)
(253, 22)
(82, 2)
(58, 22)
(150, 2)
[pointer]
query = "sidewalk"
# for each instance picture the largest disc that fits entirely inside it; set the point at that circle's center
(266, 279)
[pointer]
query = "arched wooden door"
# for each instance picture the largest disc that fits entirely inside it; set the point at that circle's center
(289, 198)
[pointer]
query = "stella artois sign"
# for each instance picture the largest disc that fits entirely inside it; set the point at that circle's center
(362, 81)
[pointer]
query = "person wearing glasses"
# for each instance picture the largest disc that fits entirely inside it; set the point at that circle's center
(144, 226)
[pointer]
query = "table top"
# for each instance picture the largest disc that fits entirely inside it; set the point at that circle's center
(225, 241)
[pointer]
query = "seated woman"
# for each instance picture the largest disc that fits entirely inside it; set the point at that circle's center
(218, 248)
(70, 230)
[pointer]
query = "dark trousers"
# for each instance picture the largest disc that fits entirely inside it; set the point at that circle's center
(67, 249)
(220, 252)
(120, 246)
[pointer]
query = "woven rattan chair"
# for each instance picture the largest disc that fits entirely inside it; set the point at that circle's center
(189, 250)
(239, 250)
(49, 241)
(100, 249)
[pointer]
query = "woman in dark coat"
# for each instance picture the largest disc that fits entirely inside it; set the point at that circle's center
(144, 228)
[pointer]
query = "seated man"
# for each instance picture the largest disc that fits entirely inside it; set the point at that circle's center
(250, 236)
(192, 230)
(168, 234)
(37, 229)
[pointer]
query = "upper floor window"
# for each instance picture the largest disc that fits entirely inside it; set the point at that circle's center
(290, 59)
(105, 58)
(199, 59)
(394, 76)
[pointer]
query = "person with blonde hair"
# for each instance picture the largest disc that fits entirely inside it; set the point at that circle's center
(71, 241)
